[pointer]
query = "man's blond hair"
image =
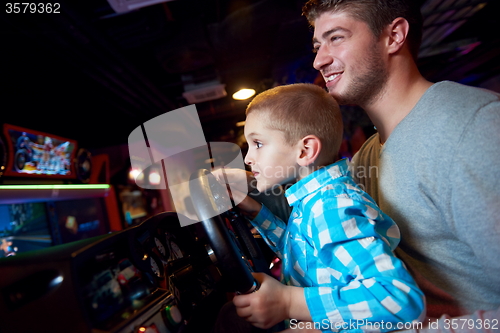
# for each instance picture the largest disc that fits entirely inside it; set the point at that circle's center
(299, 110)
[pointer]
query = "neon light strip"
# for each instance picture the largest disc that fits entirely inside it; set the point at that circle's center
(55, 187)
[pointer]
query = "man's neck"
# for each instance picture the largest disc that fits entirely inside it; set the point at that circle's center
(401, 94)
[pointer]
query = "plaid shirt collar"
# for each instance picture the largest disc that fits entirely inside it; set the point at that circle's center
(316, 180)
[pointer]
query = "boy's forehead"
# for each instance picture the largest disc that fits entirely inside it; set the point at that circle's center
(259, 123)
(257, 119)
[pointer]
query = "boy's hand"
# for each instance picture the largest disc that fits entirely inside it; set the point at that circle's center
(247, 205)
(272, 303)
(237, 179)
(267, 306)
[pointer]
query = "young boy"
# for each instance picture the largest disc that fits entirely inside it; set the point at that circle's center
(338, 269)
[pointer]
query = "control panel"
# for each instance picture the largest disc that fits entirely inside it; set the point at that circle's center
(156, 277)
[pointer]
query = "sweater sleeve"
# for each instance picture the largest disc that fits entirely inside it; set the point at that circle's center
(475, 191)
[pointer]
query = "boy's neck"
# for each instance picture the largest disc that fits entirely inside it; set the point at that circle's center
(306, 171)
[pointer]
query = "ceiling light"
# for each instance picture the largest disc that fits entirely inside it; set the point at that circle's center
(243, 94)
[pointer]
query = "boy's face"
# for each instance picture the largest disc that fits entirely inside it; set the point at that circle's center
(272, 160)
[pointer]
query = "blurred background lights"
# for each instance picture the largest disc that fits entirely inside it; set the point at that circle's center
(134, 173)
(154, 178)
(243, 94)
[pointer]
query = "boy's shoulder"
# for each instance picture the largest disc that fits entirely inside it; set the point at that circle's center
(332, 187)
(341, 209)
(343, 193)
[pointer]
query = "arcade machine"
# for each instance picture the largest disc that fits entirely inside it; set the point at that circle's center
(138, 204)
(64, 271)
(46, 196)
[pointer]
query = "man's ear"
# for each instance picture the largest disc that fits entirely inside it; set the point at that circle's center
(310, 147)
(397, 32)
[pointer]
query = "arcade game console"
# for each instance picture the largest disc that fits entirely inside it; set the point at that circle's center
(75, 276)
(45, 195)
(155, 277)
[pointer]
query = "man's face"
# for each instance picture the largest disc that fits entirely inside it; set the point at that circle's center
(272, 160)
(349, 58)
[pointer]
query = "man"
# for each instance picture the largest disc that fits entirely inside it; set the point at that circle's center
(432, 166)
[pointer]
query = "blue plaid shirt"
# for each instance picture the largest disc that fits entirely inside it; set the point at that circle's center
(338, 245)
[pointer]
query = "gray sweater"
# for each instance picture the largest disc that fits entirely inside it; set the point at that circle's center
(438, 177)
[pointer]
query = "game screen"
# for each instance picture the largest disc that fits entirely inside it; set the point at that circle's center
(80, 219)
(133, 205)
(35, 153)
(23, 227)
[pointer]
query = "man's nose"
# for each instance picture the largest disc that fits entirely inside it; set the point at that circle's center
(322, 59)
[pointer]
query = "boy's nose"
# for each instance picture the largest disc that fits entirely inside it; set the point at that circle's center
(248, 159)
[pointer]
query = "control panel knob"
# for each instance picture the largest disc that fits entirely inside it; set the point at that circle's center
(174, 316)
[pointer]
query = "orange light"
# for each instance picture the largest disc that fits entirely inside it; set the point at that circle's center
(243, 94)
(154, 178)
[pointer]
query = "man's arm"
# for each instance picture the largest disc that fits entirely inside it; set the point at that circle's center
(476, 215)
(475, 194)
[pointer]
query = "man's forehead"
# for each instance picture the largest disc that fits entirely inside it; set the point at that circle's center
(330, 22)
(325, 34)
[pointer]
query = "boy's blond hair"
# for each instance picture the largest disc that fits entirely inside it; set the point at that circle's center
(299, 110)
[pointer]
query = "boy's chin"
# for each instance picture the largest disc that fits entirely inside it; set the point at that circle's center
(265, 187)
(269, 188)
(262, 188)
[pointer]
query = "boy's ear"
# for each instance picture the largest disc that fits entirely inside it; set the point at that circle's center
(310, 147)
(397, 34)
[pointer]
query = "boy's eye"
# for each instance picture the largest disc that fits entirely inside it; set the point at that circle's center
(258, 144)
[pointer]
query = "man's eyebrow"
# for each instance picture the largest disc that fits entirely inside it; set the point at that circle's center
(328, 33)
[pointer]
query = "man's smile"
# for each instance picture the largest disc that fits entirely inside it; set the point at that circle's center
(331, 77)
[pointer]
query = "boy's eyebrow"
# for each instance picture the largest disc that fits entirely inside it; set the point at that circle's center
(252, 134)
(328, 33)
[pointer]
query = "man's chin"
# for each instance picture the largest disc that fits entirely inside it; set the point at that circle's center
(338, 97)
